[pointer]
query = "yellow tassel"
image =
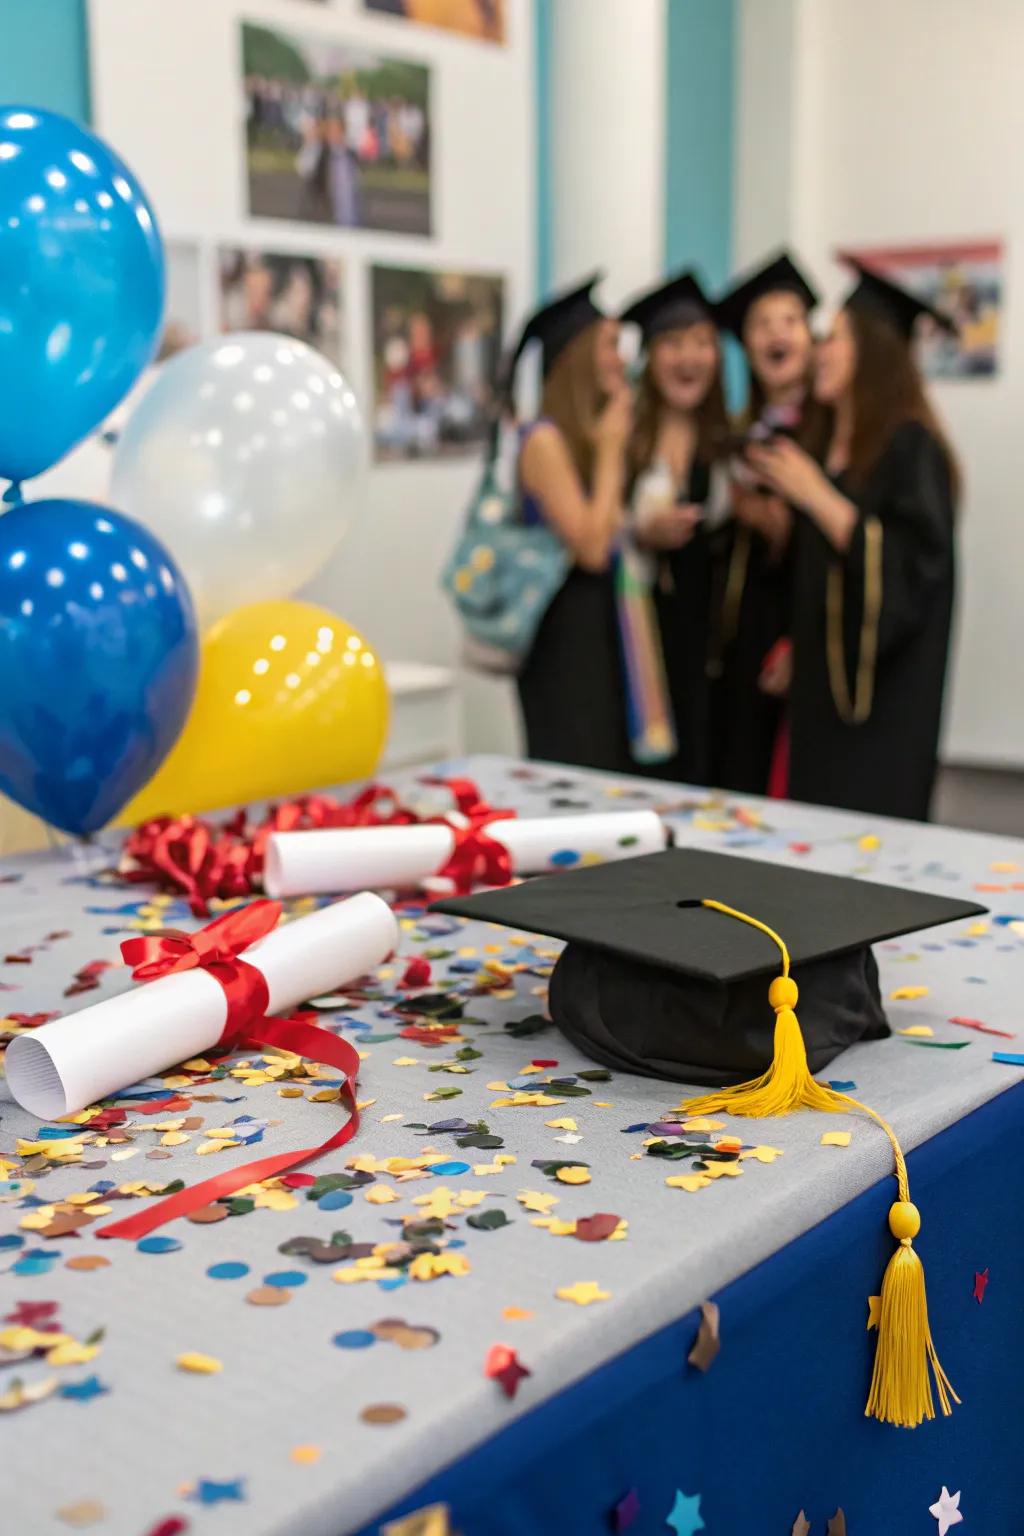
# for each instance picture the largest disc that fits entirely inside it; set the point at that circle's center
(901, 1389)
(901, 1382)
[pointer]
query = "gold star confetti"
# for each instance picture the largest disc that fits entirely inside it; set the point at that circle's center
(582, 1293)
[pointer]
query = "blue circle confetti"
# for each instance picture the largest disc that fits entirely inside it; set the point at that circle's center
(334, 1200)
(564, 858)
(228, 1269)
(448, 1170)
(286, 1279)
(355, 1338)
(158, 1245)
(12, 1240)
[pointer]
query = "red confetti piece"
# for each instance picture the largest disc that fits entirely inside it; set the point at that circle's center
(983, 1029)
(32, 1020)
(417, 973)
(503, 1365)
(423, 1035)
(980, 1284)
(161, 1106)
(594, 1229)
(800, 847)
(34, 1314)
(174, 1525)
(539, 1063)
(298, 1180)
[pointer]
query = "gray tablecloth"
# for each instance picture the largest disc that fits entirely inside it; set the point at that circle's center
(274, 1443)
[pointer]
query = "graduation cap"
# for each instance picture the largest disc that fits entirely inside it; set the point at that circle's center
(669, 963)
(779, 275)
(560, 321)
(877, 295)
(679, 302)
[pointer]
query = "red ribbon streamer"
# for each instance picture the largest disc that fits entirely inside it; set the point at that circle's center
(217, 949)
(204, 860)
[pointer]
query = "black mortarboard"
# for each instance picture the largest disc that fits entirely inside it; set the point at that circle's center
(664, 974)
(652, 982)
(878, 296)
(679, 302)
(779, 275)
(560, 321)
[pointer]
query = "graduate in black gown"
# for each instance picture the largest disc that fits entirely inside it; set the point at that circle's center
(680, 426)
(768, 312)
(874, 566)
(572, 475)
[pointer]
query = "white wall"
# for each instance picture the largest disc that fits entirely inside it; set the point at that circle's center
(607, 149)
(886, 123)
(168, 95)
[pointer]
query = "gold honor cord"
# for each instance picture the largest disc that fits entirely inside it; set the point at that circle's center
(855, 711)
(732, 599)
(905, 1356)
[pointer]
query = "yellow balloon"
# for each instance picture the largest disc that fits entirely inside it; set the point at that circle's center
(290, 698)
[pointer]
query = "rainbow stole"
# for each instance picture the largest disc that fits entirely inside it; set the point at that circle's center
(650, 722)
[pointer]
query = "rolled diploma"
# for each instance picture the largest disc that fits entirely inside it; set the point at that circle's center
(63, 1066)
(347, 858)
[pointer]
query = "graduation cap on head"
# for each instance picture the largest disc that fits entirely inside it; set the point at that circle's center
(679, 302)
(877, 295)
(670, 961)
(779, 275)
(560, 321)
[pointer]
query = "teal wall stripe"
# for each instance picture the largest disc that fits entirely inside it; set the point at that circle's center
(542, 88)
(699, 58)
(700, 61)
(44, 55)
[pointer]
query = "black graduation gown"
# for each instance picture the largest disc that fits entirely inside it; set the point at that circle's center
(749, 614)
(571, 689)
(682, 597)
(874, 748)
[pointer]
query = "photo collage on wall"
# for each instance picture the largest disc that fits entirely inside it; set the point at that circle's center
(338, 136)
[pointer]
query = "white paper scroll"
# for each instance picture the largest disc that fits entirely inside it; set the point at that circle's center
(63, 1066)
(346, 859)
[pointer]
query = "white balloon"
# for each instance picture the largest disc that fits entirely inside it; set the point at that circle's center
(245, 458)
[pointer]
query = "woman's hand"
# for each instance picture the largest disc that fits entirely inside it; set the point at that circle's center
(669, 526)
(615, 423)
(796, 476)
(789, 470)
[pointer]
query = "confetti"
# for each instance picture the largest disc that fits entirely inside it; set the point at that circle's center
(85, 1512)
(432, 1521)
(836, 1139)
(582, 1293)
(200, 1365)
(902, 994)
(383, 1413)
(305, 1455)
(684, 1517)
(980, 1285)
(946, 1510)
(504, 1366)
(268, 1296)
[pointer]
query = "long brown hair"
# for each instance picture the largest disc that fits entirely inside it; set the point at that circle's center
(888, 391)
(572, 400)
(711, 418)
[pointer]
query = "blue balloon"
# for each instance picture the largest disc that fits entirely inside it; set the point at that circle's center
(81, 286)
(98, 660)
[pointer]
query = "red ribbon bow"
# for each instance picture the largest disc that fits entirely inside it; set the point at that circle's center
(476, 858)
(217, 948)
